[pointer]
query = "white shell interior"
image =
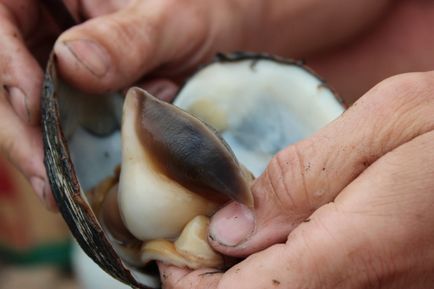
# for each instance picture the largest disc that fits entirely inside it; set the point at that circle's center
(94, 157)
(259, 106)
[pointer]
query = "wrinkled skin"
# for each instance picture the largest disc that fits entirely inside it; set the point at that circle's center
(350, 207)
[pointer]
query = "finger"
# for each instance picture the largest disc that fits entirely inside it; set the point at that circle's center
(96, 8)
(20, 74)
(309, 174)
(163, 89)
(24, 14)
(115, 50)
(178, 278)
(171, 274)
(22, 145)
(377, 234)
(20, 86)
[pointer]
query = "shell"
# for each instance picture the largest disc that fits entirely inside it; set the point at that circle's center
(60, 126)
(68, 193)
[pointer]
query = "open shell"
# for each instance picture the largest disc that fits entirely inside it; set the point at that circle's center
(214, 104)
(69, 195)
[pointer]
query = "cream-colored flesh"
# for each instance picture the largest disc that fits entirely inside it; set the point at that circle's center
(190, 250)
(152, 206)
(259, 106)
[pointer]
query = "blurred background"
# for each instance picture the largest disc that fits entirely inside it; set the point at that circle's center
(36, 250)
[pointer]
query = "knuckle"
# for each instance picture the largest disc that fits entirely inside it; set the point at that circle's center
(406, 101)
(286, 178)
(408, 86)
(196, 29)
(128, 32)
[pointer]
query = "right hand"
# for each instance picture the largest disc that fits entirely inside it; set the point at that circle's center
(349, 207)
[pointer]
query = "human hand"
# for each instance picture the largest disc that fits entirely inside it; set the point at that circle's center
(350, 207)
(123, 40)
(158, 38)
(20, 86)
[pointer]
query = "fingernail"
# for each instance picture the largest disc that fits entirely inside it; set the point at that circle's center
(18, 100)
(232, 225)
(43, 191)
(167, 93)
(90, 54)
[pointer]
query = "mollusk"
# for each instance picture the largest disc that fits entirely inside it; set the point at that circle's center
(178, 163)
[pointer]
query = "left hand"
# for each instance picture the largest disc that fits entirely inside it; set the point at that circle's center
(354, 204)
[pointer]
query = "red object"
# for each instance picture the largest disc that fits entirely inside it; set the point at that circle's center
(7, 189)
(13, 223)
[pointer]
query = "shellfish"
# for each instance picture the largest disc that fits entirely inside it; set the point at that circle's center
(175, 169)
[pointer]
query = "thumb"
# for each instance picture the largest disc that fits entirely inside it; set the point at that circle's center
(311, 173)
(112, 51)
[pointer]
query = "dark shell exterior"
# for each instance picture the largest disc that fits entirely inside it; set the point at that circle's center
(67, 191)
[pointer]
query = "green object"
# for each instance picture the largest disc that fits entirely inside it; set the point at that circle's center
(58, 254)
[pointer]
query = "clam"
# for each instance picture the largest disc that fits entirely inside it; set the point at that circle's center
(137, 179)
